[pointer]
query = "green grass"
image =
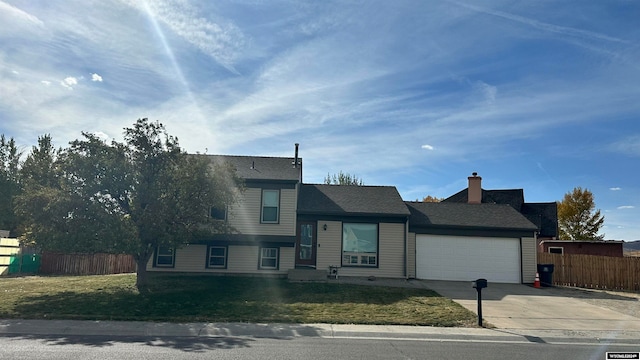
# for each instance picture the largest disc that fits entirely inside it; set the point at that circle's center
(224, 299)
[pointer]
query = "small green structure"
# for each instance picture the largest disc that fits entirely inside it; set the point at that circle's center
(25, 263)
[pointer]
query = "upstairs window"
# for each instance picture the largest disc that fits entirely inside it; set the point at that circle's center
(218, 213)
(270, 206)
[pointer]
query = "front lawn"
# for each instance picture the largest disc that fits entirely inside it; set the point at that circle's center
(224, 299)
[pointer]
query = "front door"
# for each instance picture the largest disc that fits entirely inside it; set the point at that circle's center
(306, 245)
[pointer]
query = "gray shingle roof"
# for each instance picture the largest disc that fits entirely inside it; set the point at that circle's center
(351, 200)
(543, 215)
(486, 216)
(261, 167)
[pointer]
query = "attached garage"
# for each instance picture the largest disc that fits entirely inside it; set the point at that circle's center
(465, 258)
(465, 242)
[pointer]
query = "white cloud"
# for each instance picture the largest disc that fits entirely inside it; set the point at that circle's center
(101, 135)
(626, 207)
(45, 82)
(15, 72)
(427, 147)
(69, 82)
(615, 189)
(96, 77)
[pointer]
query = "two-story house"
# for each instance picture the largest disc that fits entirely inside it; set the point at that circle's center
(281, 224)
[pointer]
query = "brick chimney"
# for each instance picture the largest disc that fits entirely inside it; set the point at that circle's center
(474, 193)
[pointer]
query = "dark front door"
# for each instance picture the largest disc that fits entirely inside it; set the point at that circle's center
(306, 245)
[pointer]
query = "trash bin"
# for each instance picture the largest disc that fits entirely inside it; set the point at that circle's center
(546, 274)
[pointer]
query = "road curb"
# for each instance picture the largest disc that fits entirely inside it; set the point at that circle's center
(68, 328)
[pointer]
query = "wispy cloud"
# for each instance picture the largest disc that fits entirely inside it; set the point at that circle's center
(629, 145)
(556, 29)
(615, 188)
(626, 207)
(427, 147)
(15, 12)
(220, 39)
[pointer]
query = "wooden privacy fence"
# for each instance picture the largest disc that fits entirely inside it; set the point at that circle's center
(86, 264)
(595, 272)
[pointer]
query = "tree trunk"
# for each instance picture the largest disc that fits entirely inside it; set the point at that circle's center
(141, 272)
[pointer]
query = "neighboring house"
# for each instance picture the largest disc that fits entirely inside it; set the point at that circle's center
(569, 247)
(284, 226)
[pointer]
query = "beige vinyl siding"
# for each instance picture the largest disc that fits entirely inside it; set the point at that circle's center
(245, 215)
(529, 259)
(391, 250)
(411, 255)
(240, 260)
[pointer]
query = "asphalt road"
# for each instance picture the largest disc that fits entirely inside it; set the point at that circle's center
(140, 347)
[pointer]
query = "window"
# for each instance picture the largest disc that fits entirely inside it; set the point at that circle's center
(270, 204)
(217, 257)
(218, 213)
(556, 250)
(360, 245)
(268, 258)
(165, 257)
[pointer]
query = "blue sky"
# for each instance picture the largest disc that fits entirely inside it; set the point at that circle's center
(540, 95)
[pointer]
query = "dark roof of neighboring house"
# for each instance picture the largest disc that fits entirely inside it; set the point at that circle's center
(513, 197)
(543, 215)
(487, 216)
(261, 168)
(350, 200)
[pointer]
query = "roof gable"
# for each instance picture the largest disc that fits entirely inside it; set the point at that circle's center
(350, 200)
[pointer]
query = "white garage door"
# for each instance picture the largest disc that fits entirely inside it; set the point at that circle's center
(463, 258)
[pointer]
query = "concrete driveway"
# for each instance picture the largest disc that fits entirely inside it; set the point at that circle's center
(513, 306)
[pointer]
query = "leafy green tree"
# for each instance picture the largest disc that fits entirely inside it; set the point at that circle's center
(42, 197)
(131, 197)
(343, 179)
(577, 217)
(9, 182)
